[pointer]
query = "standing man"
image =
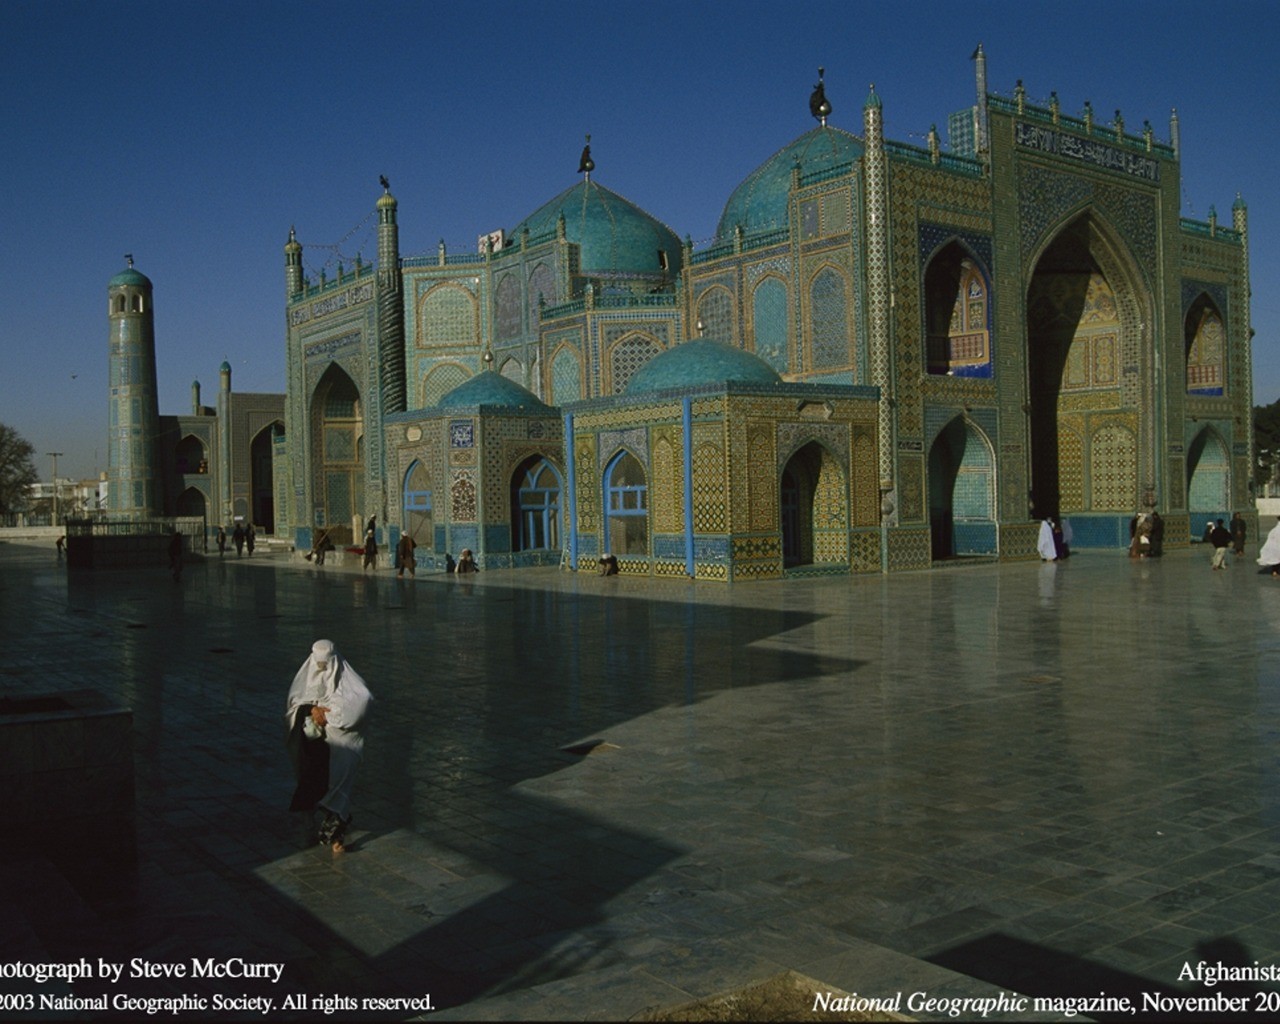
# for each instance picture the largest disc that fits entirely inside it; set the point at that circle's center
(371, 544)
(1239, 533)
(1220, 538)
(404, 555)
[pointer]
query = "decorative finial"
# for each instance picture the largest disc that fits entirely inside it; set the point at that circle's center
(585, 164)
(818, 105)
(386, 185)
(128, 258)
(488, 359)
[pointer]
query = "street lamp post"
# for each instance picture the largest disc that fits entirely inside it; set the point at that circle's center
(54, 456)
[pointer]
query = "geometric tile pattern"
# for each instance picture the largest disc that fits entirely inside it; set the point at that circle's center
(1113, 469)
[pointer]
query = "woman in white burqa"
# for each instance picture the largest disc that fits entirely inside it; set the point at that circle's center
(1269, 556)
(326, 709)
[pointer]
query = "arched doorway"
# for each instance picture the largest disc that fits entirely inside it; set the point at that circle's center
(1089, 379)
(813, 509)
(191, 502)
(535, 506)
(418, 518)
(626, 488)
(1208, 479)
(262, 477)
(337, 448)
(961, 492)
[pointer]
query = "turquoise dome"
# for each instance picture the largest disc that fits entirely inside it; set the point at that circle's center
(616, 236)
(130, 277)
(760, 202)
(699, 363)
(489, 388)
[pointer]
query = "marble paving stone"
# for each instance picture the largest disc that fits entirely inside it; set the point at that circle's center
(981, 779)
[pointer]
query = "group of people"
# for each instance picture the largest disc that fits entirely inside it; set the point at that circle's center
(1146, 535)
(1054, 543)
(243, 536)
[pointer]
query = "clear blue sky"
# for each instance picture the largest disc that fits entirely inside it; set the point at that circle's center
(194, 134)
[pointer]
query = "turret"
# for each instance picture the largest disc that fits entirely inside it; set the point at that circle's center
(195, 398)
(134, 416)
(391, 368)
(292, 266)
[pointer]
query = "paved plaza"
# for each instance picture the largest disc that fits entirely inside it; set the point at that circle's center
(589, 797)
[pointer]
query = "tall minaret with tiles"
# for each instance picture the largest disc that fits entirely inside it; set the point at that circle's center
(134, 414)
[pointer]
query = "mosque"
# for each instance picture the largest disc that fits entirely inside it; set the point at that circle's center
(890, 357)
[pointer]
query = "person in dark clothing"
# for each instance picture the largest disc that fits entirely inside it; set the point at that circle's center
(237, 538)
(248, 539)
(1239, 533)
(1220, 538)
(222, 541)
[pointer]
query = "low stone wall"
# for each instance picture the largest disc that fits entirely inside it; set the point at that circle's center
(66, 765)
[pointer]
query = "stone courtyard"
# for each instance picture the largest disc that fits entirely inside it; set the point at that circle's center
(596, 798)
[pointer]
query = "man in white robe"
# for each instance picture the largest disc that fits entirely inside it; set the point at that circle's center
(325, 714)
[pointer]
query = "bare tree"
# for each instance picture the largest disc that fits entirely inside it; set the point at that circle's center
(17, 470)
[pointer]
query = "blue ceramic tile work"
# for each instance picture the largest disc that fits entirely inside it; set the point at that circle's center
(974, 538)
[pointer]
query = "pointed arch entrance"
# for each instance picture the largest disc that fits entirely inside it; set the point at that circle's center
(813, 498)
(1208, 478)
(337, 453)
(961, 492)
(1089, 374)
(262, 477)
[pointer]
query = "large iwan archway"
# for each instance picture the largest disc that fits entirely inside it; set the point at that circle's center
(1089, 374)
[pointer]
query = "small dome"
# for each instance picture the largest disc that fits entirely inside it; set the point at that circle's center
(225, 367)
(386, 201)
(760, 202)
(489, 388)
(698, 363)
(616, 236)
(130, 277)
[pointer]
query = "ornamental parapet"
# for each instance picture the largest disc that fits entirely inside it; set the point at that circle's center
(344, 279)
(662, 300)
(1207, 230)
(965, 165)
(1044, 115)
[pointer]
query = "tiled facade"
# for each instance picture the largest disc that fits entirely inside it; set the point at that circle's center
(1036, 328)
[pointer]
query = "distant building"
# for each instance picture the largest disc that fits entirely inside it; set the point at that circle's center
(216, 463)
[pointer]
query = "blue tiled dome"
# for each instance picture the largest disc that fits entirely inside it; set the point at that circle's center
(616, 236)
(489, 388)
(131, 277)
(760, 202)
(698, 363)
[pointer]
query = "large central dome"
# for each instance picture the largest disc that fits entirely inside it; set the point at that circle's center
(615, 235)
(760, 202)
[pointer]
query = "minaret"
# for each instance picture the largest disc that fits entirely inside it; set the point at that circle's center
(980, 70)
(134, 415)
(390, 306)
(292, 266)
(195, 398)
(225, 498)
